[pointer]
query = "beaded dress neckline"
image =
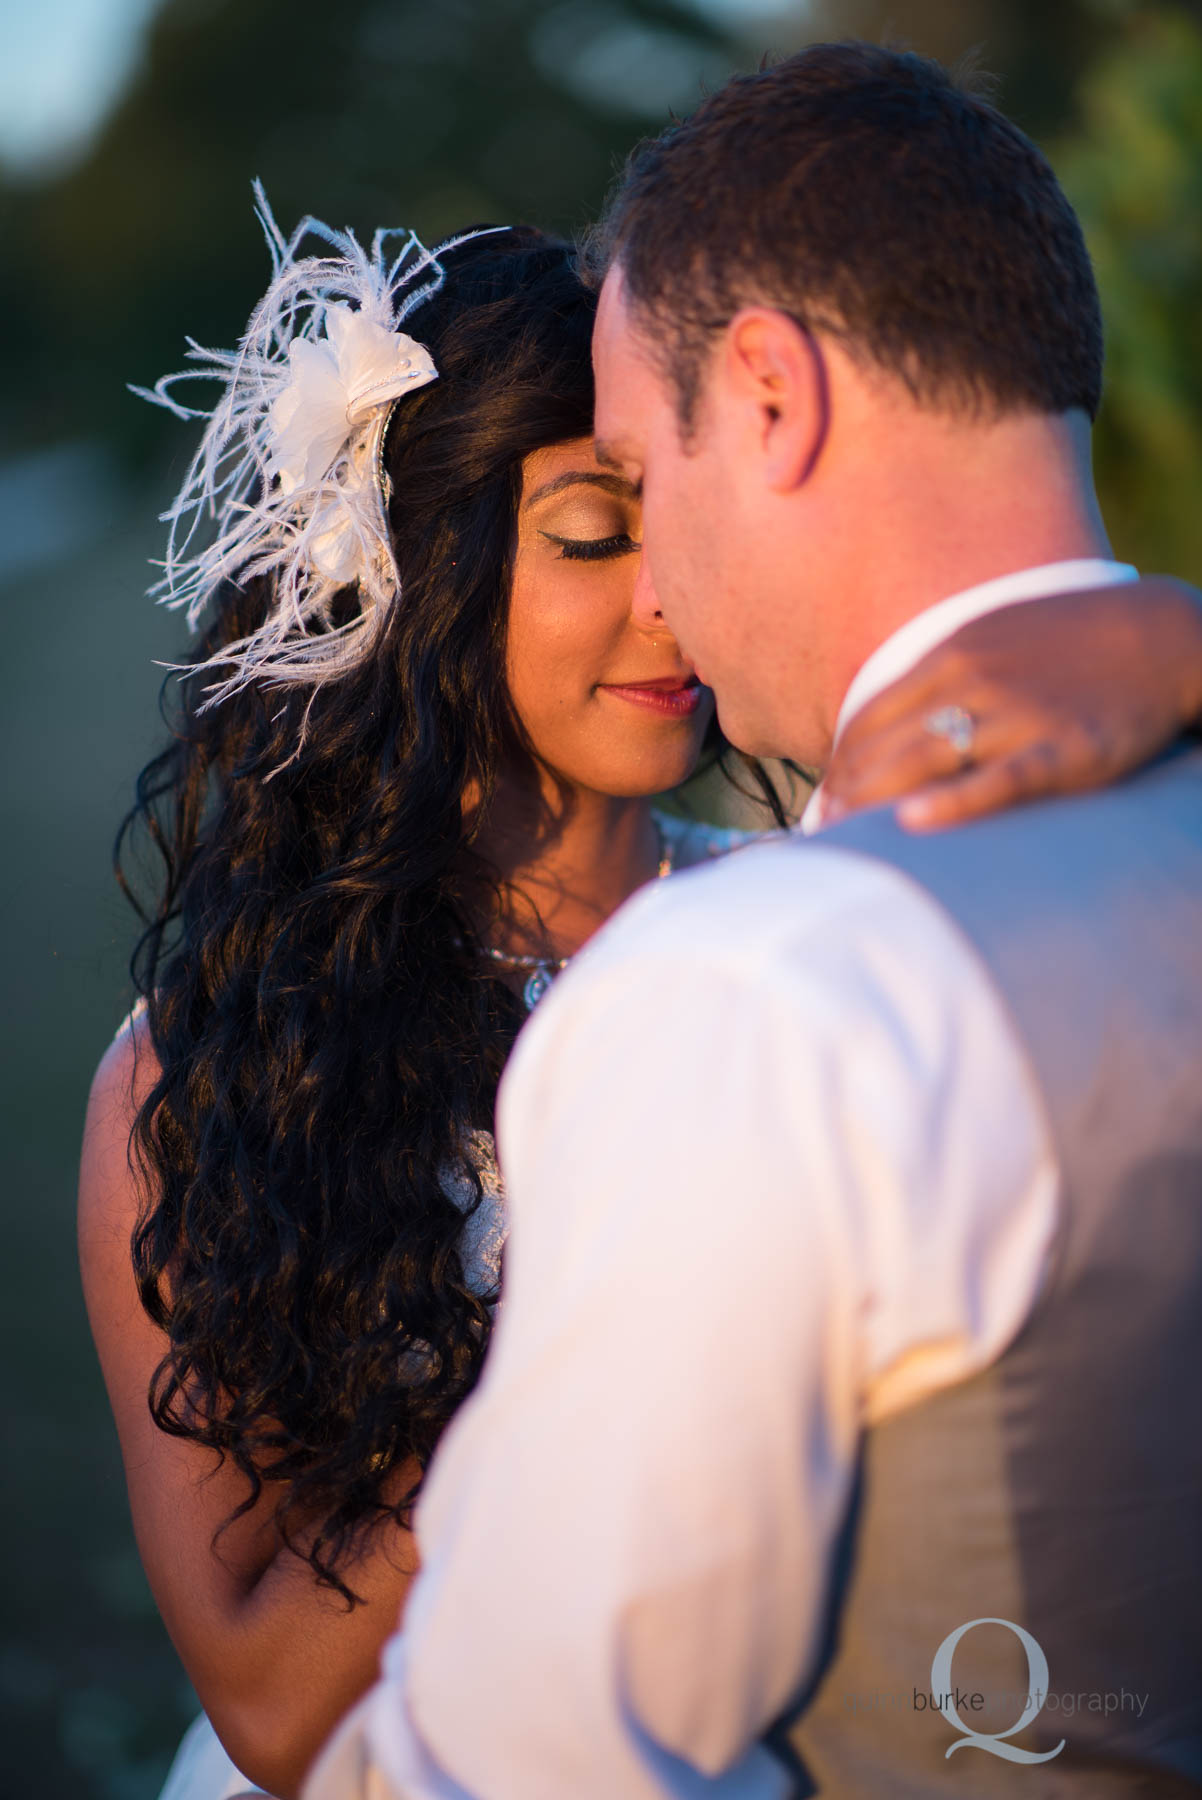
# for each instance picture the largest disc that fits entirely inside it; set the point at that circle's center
(541, 970)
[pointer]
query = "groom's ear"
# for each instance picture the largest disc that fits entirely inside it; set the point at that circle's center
(776, 382)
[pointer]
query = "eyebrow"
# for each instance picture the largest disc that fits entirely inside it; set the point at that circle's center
(605, 455)
(612, 484)
(609, 457)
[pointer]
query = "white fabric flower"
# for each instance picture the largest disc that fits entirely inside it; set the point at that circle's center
(337, 383)
(286, 485)
(337, 549)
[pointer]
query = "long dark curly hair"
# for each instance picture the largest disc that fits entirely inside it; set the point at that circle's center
(326, 1029)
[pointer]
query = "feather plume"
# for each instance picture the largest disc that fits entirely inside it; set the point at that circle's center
(288, 480)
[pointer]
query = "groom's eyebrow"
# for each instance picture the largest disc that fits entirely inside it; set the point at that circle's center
(612, 484)
(610, 459)
(606, 455)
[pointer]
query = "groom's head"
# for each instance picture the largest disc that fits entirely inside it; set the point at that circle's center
(844, 297)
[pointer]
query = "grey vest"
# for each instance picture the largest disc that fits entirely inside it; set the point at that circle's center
(1060, 1490)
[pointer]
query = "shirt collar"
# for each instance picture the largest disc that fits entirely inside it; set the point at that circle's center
(914, 640)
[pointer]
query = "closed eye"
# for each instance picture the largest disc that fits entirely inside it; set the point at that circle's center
(594, 549)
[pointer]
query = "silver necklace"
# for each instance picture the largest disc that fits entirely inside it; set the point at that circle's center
(544, 969)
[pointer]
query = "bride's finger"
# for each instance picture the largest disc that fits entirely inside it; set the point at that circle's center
(919, 691)
(1033, 773)
(871, 769)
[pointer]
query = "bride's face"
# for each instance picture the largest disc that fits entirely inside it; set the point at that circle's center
(608, 703)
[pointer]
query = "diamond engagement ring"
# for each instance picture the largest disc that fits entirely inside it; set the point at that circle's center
(956, 727)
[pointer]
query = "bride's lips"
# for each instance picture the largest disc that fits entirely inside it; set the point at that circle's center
(676, 696)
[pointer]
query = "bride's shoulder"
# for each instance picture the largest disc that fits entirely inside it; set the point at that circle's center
(692, 841)
(129, 1067)
(110, 1192)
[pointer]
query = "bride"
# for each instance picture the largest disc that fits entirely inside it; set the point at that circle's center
(411, 770)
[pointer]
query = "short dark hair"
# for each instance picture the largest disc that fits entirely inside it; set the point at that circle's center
(867, 193)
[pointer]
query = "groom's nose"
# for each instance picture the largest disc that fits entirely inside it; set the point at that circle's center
(645, 603)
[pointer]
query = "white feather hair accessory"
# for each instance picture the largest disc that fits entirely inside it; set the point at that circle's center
(289, 480)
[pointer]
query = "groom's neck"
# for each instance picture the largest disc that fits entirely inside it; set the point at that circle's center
(963, 506)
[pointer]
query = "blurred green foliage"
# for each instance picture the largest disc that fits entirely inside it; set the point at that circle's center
(435, 113)
(1133, 166)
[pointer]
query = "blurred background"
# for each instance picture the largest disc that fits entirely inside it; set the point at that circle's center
(129, 134)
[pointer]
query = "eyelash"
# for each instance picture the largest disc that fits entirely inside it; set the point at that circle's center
(594, 549)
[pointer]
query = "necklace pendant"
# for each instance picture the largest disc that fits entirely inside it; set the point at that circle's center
(537, 984)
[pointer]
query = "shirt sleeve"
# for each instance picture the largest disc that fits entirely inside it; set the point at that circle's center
(767, 1183)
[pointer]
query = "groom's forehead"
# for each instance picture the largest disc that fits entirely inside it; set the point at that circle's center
(612, 328)
(628, 383)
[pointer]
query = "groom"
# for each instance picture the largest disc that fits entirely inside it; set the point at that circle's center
(842, 1429)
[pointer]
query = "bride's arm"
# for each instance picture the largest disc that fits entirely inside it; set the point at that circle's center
(275, 1659)
(1066, 693)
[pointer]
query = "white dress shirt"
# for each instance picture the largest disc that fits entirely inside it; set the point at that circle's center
(776, 1170)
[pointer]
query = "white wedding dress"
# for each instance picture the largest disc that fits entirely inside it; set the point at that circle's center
(202, 1770)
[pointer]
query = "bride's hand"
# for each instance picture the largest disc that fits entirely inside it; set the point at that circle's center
(1065, 693)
